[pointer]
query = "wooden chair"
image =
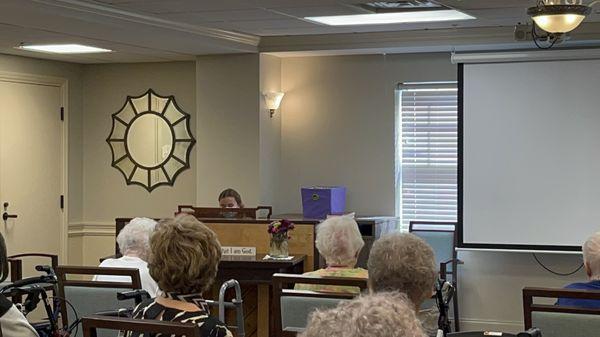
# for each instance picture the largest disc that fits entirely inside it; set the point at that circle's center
(15, 265)
(441, 236)
(218, 212)
(528, 333)
(557, 321)
(89, 297)
(480, 334)
(292, 307)
(92, 324)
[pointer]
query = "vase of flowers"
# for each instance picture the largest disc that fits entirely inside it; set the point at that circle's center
(278, 247)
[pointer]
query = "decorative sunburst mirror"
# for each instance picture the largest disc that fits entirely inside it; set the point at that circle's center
(150, 140)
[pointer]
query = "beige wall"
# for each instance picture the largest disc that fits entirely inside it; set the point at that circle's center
(106, 196)
(227, 127)
(338, 128)
(105, 193)
(338, 124)
(270, 132)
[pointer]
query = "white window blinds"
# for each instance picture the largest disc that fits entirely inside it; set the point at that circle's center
(426, 152)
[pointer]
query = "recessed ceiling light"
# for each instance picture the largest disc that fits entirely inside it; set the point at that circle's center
(389, 18)
(64, 48)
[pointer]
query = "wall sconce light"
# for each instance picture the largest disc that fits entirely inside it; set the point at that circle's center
(273, 100)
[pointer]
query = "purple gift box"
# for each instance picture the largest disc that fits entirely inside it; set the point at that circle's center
(320, 201)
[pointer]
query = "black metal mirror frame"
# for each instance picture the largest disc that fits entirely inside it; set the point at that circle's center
(184, 161)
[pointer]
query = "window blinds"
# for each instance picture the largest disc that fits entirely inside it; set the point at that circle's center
(427, 142)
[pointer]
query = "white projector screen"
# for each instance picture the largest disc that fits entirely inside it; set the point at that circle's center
(529, 169)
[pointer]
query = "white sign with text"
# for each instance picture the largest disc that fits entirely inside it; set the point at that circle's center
(238, 251)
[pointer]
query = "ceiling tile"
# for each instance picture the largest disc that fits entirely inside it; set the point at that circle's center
(178, 6)
(223, 16)
(302, 12)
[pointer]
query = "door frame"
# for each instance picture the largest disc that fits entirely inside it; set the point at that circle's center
(63, 85)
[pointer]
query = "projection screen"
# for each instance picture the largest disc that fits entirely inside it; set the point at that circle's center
(529, 154)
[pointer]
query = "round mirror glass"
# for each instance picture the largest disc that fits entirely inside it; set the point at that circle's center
(149, 140)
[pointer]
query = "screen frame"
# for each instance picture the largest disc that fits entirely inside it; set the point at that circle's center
(459, 223)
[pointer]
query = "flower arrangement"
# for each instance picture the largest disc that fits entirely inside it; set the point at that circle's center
(280, 228)
(278, 248)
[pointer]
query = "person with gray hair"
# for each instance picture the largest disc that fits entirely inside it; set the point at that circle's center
(134, 245)
(406, 263)
(339, 242)
(591, 262)
(376, 315)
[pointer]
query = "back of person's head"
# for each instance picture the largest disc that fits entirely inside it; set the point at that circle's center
(376, 315)
(134, 237)
(231, 193)
(339, 241)
(404, 263)
(591, 256)
(184, 255)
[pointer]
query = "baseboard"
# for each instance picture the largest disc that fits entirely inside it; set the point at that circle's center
(467, 324)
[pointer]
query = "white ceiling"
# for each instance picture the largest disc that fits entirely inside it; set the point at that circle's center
(167, 30)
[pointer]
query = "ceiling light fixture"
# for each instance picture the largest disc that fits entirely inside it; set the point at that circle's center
(559, 16)
(64, 48)
(391, 18)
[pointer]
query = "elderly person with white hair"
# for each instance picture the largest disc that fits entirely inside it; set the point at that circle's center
(591, 261)
(405, 263)
(339, 242)
(134, 245)
(377, 315)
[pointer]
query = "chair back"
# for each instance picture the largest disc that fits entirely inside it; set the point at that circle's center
(15, 265)
(89, 297)
(291, 308)
(441, 236)
(559, 321)
(218, 212)
(93, 323)
(480, 334)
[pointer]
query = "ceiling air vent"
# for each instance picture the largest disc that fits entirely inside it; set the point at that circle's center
(400, 6)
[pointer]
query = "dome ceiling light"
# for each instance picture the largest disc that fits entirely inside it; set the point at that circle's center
(559, 16)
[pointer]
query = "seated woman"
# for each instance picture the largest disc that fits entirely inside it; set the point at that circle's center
(12, 321)
(230, 198)
(339, 242)
(405, 263)
(591, 262)
(133, 244)
(377, 315)
(184, 259)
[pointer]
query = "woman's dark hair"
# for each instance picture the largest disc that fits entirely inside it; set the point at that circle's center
(3, 260)
(230, 192)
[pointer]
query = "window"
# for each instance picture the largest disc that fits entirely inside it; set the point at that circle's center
(426, 152)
